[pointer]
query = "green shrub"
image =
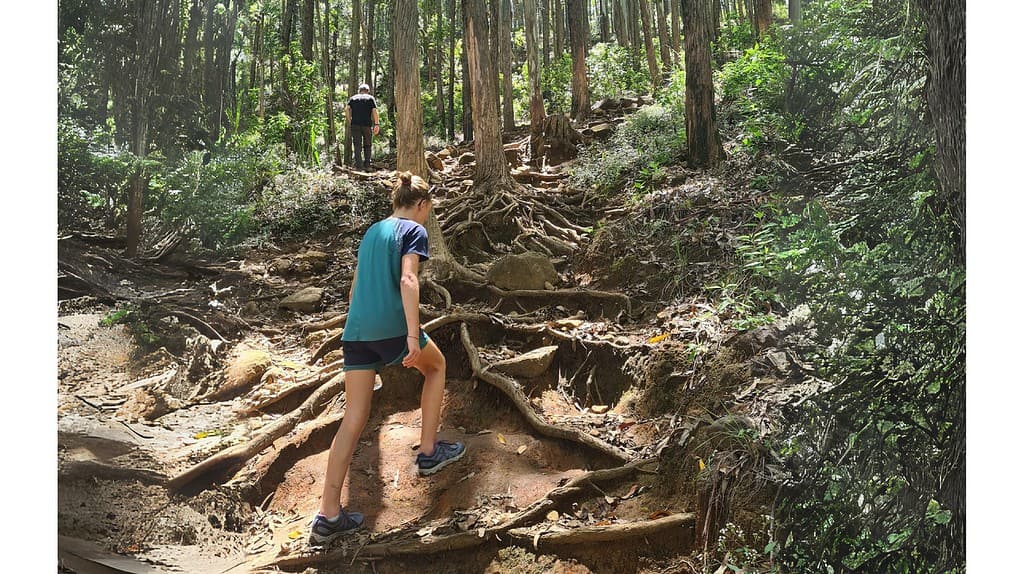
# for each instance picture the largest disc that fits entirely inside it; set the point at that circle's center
(753, 90)
(615, 71)
(91, 181)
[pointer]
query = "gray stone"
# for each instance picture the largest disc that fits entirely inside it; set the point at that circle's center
(528, 365)
(466, 158)
(304, 301)
(519, 272)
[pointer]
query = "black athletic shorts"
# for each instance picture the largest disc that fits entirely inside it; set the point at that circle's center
(374, 355)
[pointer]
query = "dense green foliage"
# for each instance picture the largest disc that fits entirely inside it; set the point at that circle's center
(878, 461)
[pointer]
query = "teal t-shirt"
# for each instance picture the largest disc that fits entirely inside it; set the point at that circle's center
(376, 312)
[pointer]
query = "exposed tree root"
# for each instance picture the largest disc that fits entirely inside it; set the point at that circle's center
(232, 458)
(476, 537)
(568, 293)
(515, 392)
(262, 467)
(331, 343)
(90, 469)
(592, 534)
(335, 322)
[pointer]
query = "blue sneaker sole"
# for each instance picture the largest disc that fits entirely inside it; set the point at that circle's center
(442, 464)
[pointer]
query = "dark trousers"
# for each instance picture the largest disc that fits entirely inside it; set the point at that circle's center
(362, 139)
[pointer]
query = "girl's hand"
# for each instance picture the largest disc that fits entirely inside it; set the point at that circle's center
(414, 351)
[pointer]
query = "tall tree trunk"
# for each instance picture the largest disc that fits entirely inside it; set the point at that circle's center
(794, 11)
(353, 72)
(579, 34)
(308, 30)
(602, 7)
(676, 45)
(439, 64)
(533, 70)
(329, 80)
(226, 75)
(508, 117)
(558, 18)
(946, 92)
(369, 53)
(703, 143)
(409, 108)
(467, 82)
(491, 165)
(619, 23)
(545, 27)
(451, 69)
(191, 49)
(652, 58)
(632, 21)
(663, 41)
(762, 17)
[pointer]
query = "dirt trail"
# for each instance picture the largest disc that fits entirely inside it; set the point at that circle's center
(141, 402)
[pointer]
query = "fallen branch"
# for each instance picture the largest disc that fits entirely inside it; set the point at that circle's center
(230, 459)
(332, 323)
(594, 534)
(514, 391)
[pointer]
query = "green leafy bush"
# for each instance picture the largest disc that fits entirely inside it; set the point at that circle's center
(615, 71)
(753, 91)
(91, 180)
(652, 137)
(556, 85)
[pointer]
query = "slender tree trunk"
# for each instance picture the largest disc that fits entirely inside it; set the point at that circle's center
(191, 50)
(545, 27)
(559, 27)
(533, 68)
(308, 30)
(578, 36)
(663, 41)
(439, 64)
(632, 20)
(794, 11)
(369, 53)
(491, 165)
(704, 145)
(451, 69)
(505, 50)
(409, 110)
(602, 7)
(652, 58)
(762, 17)
(676, 45)
(353, 73)
(467, 82)
(329, 80)
(619, 23)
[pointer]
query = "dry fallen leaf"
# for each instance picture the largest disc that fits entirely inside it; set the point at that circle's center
(599, 409)
(658, 514)
(552, 516)
(658, 338)
(603, 523)
(501, 438)
(700, 463)
(481, 532)
(294, 534)
(521, 449)
(609, 499)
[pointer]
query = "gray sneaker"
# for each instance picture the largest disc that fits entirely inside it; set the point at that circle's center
(445, 453)
(323, 530)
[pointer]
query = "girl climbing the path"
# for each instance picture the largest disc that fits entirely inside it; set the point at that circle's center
(383, 328)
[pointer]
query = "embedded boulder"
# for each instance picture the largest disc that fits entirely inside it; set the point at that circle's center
(527, 271)
(304, 301)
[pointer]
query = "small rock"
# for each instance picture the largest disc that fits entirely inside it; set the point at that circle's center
(444, 153)
(434, 162)
(528, 365)
(599, 409)
(304, 301)
(467, 158)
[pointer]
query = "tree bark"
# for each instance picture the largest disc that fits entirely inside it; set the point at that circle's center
(578, 35)
(451, 69)
(329, 80)
(533, 69)
(558, 22)
(545, 27)
(652, 58)
(619, 23)
(467, 83)
(663, 41)
(409, 109)
(703, 143)
(439, 65)
(369, 53)
(762, 17)
(491, 165)
(795, 11)
(308, 30)
(353, 72)
(508, 118)
(676, 45)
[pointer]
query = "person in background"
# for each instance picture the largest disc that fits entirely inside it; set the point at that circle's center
(383, 328)
(362, 117)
